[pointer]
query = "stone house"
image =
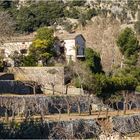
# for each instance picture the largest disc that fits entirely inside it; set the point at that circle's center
(8, 49)
(74, 46)
(19, 44)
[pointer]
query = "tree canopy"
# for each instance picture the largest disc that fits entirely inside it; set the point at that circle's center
(93, 60)
(42, 46)
(127, 42)
(44, 13)
(6, 4)
(106, 86)
(76, 2)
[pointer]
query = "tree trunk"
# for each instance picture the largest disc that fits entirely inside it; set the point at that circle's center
(124, 109)
(122, 62)
(68, 111)
(79, 109)
(90, 108)
(18, 112)
(82, 89)
(42, 115)
(107, 112)
(66, 89)
(34, 90)
(99, 113)
(129, 106)
(59, 114)
(6, 115)
(13, 115)
(53, 89)
(68, 108)
(117, 108)
(124, 104)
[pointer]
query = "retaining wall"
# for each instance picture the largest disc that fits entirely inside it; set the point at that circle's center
(45, 76)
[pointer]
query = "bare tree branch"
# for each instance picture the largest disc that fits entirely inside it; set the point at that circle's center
(6, 26)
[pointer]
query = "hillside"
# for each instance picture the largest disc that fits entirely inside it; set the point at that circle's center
(70, 69)
(101, 34)
(100, 21)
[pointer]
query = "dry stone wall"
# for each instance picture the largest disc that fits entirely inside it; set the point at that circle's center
(41, 104)
(46, 76)
(23, 104)
(76, 129)
(16, 87)
(126, 125)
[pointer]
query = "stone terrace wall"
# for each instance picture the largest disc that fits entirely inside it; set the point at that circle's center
(16, 87)
(43, 75)
(22, 104)
(127, 124)
(76, 129)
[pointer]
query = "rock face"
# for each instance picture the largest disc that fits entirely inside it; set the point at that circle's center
(128, 124)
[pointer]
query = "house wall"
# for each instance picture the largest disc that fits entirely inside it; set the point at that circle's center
(70, 50)
(14, 46)
(9, 48)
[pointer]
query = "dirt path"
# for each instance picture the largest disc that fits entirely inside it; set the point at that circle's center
(66, 117)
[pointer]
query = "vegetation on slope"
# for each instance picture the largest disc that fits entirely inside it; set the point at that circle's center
(35, 15)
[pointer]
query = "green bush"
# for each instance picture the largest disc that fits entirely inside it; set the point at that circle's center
(90, 13)
(138, 88)
(128, 43)
(72, 13)
(76, 3)
(93, 61)
(106, 86)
